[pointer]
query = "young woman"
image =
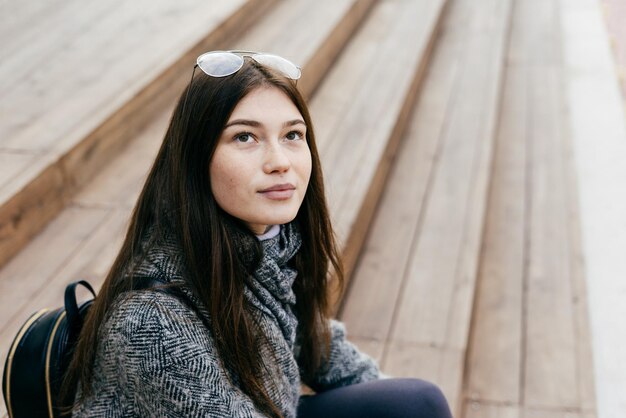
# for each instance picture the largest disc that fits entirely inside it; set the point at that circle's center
(217, 302)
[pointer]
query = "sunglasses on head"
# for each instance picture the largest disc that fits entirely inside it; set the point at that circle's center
(225, 63)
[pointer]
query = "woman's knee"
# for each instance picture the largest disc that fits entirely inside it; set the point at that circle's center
(389, 398)
(426, 398)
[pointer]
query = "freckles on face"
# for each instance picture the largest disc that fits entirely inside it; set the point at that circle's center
(261, 167)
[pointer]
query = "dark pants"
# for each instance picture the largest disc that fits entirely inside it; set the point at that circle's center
(388, 398)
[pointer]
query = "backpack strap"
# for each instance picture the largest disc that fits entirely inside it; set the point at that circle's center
(74, 319)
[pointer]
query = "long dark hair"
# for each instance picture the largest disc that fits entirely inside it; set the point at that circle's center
(177, 199)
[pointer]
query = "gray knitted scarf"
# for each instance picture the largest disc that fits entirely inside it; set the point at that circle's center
(274, 281)
(271, 279)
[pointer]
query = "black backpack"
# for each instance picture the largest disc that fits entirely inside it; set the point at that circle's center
(39, 357)
(41, 352)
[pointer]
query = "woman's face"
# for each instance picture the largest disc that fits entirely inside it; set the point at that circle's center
(262, 163)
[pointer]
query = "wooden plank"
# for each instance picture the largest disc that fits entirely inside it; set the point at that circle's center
(585, 376)
(334, 43)
(102, 68)
(11, 164)
(330, 106)
(465, 281)
(542, 28)
(13, 15)
(45, 40)
(475, 409)
(495, 349)
(120, 183)
(438, 365)
(564, 377)
(369, 305)
(550, 372)
(355, 170)
(28, 205)
(371, 120)
(553, 413)
(439, 274)
(29, 272)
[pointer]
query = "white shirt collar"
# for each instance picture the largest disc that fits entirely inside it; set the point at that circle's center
(271, 233)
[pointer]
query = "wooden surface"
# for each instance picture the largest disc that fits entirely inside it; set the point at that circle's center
(412, 290)
(595, 112)
(362, 109)
(72, 95)
(530, 339)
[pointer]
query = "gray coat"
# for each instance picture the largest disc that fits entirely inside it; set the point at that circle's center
(156, 357)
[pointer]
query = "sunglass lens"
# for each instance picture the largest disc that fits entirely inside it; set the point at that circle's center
(286, 67)
(220, 64)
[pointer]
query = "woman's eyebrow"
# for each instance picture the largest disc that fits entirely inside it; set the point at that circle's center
(256, 124)
(245, 122)
(294, 122)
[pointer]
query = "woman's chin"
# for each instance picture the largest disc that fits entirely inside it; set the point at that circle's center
(275, 219)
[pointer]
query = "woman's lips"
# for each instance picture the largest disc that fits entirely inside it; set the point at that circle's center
(279, 191)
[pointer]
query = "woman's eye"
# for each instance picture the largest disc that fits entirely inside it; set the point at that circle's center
(294, 135)
(244, 137)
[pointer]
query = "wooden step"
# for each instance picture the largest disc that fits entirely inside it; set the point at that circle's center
(361, 111)
(530, 346)
(83, 240)
(595, 111)
(410, 300)
(76, 85)
(530, 343)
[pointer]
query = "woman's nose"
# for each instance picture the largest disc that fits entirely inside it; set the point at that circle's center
(276, 159)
